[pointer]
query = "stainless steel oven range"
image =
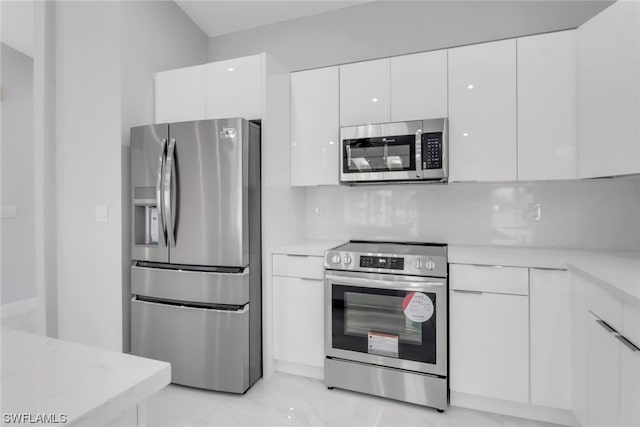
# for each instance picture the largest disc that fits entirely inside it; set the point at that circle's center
(386, 320)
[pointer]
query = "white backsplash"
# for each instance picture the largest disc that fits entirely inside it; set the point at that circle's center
(587, 214)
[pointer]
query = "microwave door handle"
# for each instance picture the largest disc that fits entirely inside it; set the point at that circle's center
(168, 191)
(409, 284)
(159, 199)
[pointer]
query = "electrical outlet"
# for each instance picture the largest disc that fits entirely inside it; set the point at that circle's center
(534, 211)
(102, 214)
(318, 212)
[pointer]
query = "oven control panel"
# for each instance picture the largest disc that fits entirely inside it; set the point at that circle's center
(430, 261)
(382, 262)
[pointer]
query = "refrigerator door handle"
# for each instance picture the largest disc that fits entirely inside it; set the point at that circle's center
(159, 201)
(167, 200)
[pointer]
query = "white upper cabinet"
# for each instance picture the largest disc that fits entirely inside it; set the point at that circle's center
(419, 86)
(547, 107)
(609, 92)
(234, 88)
(482, 112)
(365, 96)
(179, 95)
(315, 127)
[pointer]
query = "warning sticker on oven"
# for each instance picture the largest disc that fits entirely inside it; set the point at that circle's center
(383, 344)
(417, 307)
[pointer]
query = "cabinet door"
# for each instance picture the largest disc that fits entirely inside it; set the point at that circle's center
(419, 86)
(234, 88)
(482, 112)
(298, 321)
(489, 345)
(179, 95)
(582, 290)
(551, 335)
(365, 93)
(547, 107)
(609, 92)
(629, 385)
(315, 127)
(604, 375)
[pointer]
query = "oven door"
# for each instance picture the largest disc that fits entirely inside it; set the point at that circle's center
(388, 320)
(382, 152)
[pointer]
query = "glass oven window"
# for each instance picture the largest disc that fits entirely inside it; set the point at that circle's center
(381, 154)
(373, 321)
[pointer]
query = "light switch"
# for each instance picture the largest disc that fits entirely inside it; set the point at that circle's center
(7, 211)
(102, 214)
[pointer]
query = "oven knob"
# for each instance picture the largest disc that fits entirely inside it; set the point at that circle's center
(336, 259)
(418, 264)
(430, 265)
(347, 259)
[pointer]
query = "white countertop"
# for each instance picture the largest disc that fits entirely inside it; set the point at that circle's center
(89, 385)
(616, 271)
(308, 247)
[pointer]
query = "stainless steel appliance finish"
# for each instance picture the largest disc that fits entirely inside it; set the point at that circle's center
(208, 348)
(412, 387)
(374, 343)
(196, 277)
(400, 151)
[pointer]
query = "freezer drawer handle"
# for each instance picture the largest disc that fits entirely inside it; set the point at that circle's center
(194, 305)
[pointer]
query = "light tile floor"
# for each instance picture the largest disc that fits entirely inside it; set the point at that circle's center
(289, 400)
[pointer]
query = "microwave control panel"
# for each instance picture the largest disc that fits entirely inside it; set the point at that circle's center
(432, 150)
(382, 262)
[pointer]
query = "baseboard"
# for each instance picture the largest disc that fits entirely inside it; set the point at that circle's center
(299, 369)
(19, 308)
(514, 409)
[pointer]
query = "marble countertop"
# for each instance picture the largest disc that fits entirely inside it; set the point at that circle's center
(91, 386)
(308, 247)
(616, 271)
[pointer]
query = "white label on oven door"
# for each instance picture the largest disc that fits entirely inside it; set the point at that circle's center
(417, 307)
(383, 344)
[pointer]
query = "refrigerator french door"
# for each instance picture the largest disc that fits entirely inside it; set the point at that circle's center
(196, 276)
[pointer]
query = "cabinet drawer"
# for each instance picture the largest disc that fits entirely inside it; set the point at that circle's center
(486, 278)
(304, 266)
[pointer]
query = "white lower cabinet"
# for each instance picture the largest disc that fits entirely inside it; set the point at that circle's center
(489, 332)
(629, 385)
(298, 314)
(489, 345)
(604, 376)
(606, 357)
(298, 307)
(550, 300)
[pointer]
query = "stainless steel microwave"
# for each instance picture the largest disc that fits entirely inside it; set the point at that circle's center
(395, 152)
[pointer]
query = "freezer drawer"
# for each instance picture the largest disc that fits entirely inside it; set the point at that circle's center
(207, 348)
(194, 286)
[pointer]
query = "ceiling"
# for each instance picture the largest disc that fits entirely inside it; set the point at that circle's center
(222, 17)
(17, 25)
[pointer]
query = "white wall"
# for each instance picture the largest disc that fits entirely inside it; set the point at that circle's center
(17, 275)
(88, 101)
(593, 214)
(106, 54)
(386, 28)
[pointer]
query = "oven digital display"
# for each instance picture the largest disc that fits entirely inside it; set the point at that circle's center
(382, 262)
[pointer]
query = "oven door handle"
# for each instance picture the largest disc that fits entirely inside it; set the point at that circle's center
(404, 285)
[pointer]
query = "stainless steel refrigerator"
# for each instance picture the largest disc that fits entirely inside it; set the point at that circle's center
(196, 274)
